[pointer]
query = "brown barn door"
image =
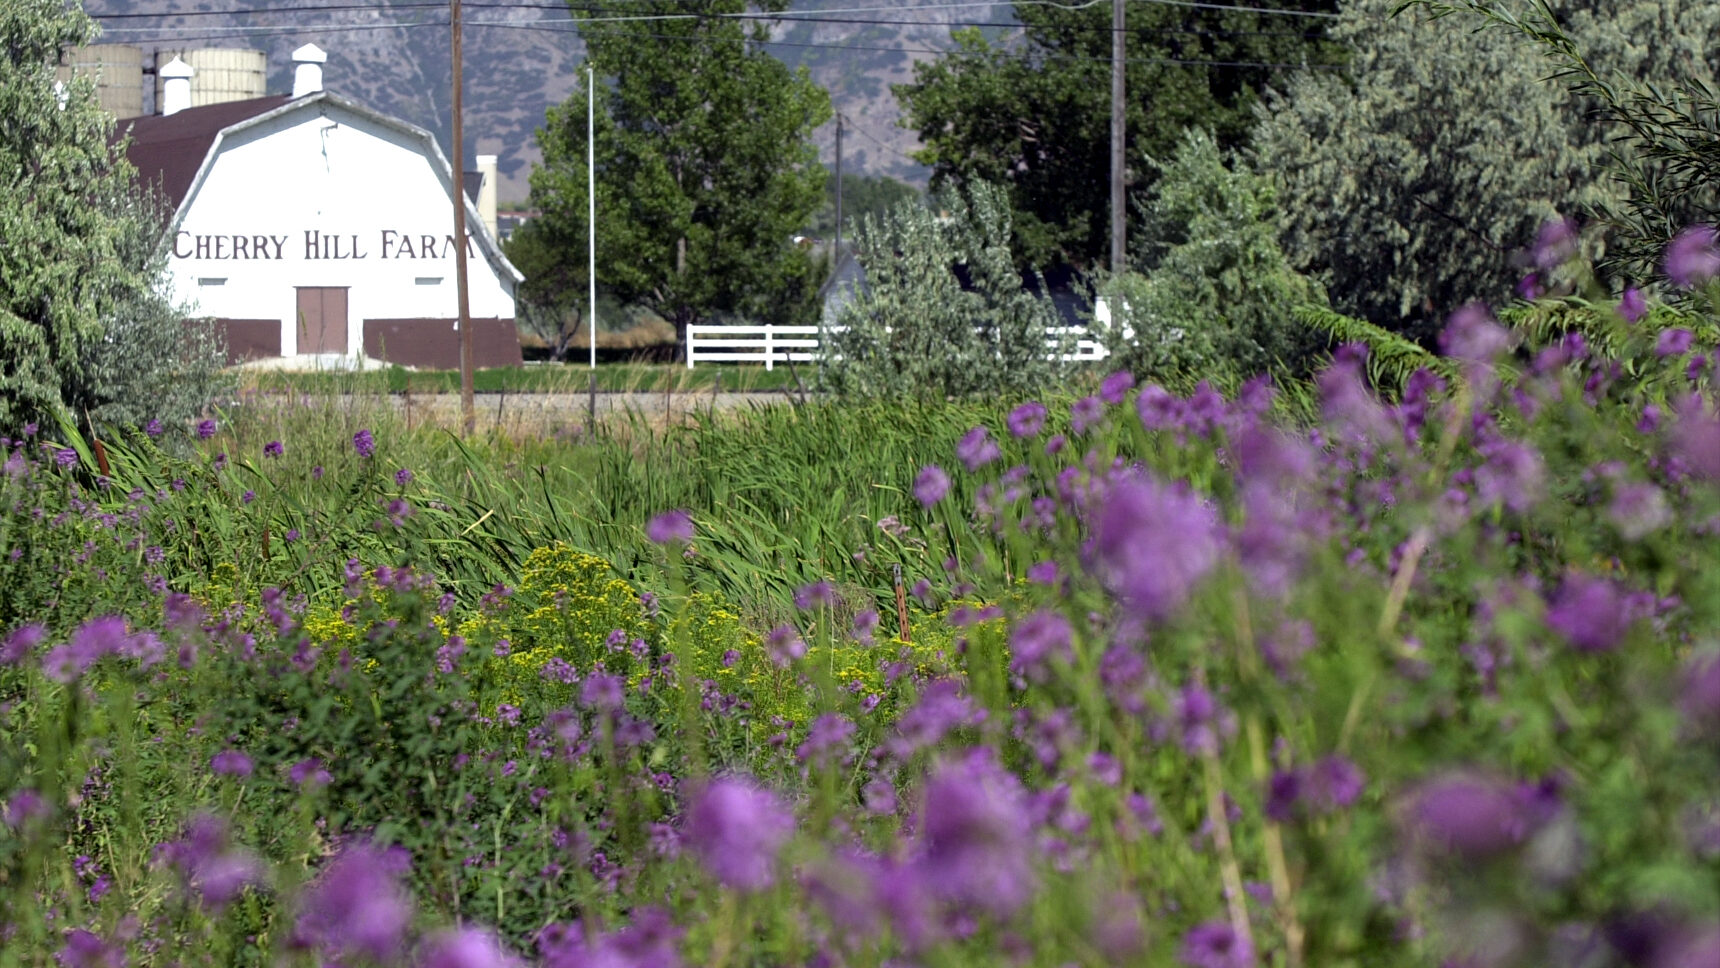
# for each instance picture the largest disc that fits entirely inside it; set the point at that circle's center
(322, 319)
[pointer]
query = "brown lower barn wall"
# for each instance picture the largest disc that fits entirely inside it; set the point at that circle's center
(250, 339)
(435, 344)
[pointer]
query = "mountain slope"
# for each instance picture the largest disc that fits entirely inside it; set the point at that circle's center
(394, 56)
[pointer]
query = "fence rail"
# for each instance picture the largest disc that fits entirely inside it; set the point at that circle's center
(770, 345)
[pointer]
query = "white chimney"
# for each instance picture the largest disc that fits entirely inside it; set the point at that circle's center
(487, 192)
(176, 86)
(307, 70)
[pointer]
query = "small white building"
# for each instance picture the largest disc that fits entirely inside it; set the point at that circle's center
(315, 228)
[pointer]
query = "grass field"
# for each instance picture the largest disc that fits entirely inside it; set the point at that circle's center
(1123, 679)
(541, 378)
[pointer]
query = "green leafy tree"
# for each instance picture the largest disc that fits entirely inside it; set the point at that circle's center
(1645, 71)
(706, 167)
(1214, 296)
(552, 299)
(84, 324)
(943, 311)
(1411, 185)
(1034, 116)
(862, 195)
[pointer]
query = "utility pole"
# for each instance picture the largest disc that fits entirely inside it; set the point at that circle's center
(1117, 200)
(591, 228)
(837, 259)
(468, 411)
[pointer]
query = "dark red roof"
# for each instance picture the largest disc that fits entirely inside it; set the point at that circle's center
(168, 150)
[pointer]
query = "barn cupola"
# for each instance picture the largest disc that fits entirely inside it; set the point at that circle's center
(176, 86)
(308, 64)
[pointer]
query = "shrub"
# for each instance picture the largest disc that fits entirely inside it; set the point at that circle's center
(83, 324)
(942, 311)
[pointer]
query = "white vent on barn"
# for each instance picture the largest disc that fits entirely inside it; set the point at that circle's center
(308, 64)
(176, 86)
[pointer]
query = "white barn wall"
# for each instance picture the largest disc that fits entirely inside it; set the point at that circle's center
(336, 199)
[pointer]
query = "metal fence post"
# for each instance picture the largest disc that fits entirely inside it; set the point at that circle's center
(689, 347)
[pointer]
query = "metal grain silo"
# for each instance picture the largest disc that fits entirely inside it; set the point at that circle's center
(223, 74)
(117, 70)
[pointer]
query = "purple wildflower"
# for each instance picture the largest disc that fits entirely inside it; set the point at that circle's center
(153, 428)
(363, 443)
(1556, 244)
(976, 449)
(21, 643)
(1038, 640)
(1674, 342)
(931, 485)
(1699, 699)
(1027, 420)
(1632, 306)
(975, 827)
(1116, 387)
(1471, 334)
(603, 692)
(357, 905)
(209, 865)
(1474, 815)
(403, 477)
(1692, 258)
(231, 763)
(66, 457)
(205, 429)
(818, 594)
(83, 949)
(273, 449)
(1695, 438)
(670, 527)
(737, 829)
(1514, 475)
(1335, 783)
(1638, 510)
(784, 645)
(1199, 718)
(309, 772)
(827, 739)
(24, 807)
(1215, 944)
(649, 941)
(1084, 413)
(95, 639)
(1152, 543)
(470, 948)
(1592, 614)
(1042, 573)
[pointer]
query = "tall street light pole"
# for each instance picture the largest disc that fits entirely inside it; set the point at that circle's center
(1117, 132)
(468, 409)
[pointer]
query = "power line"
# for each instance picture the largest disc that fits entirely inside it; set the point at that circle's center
(303, 8)
(877, 140)
(806, 15)
(553, 26)
(219, 33)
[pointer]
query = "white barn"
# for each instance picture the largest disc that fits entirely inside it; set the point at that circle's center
(315, 228)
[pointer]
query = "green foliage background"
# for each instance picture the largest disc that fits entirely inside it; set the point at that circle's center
(915, 330)
(84, 323)
(706, 168)
(1214, 294)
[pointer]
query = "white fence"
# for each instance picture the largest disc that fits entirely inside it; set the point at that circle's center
(771, 345)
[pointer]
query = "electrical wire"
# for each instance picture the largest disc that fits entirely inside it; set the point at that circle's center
(1063, 58)
(754, 15)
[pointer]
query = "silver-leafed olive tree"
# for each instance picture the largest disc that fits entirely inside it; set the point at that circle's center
(84, 322)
